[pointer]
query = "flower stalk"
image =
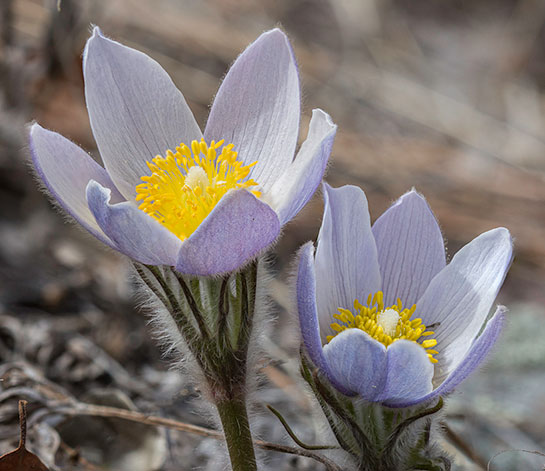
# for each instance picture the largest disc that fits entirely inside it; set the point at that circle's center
(236, 428)
(214, 317)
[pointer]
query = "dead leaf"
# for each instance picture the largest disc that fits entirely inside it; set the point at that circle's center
(21, 459)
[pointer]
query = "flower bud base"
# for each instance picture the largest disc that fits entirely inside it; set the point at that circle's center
(377, 437)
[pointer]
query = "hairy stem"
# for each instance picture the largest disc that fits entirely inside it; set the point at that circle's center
(207, 325)
(236, 428)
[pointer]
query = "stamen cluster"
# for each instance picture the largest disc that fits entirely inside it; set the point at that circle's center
(368, 319)
(185, 186)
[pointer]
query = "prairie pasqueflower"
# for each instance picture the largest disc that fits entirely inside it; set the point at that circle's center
(382, 315)
(204, 203)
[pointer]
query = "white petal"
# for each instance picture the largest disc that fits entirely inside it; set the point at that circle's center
(346, 257)
(66, 170)
(459, 298)
(474, 357)
(410, 249)
(136, 111)
(257, 107)
(298, 183)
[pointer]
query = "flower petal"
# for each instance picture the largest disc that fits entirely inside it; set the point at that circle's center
(460, 296)
(410, 249)
(257, 107)
(66, 169)
(478, 351)
(409, 373)
(237, 229)
(135, 234)
(298, 183)
(357, 362)
(136, 111)
(346, 257)
(308, 315)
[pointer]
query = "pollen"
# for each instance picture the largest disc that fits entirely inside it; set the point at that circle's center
(186, 185)
(385, 325)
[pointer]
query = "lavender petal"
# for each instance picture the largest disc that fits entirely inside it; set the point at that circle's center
(134, 233)
(238, 229)
(292, 191)
(136, 111)
(257, 107)
(66, 169)
(410, 249)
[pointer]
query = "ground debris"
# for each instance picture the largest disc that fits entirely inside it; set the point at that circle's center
(21, 459)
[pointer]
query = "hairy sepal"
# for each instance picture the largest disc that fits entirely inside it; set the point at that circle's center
(379, 438)
(213, 321)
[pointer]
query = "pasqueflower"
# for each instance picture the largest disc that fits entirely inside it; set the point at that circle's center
(204, 203)
(382, 315)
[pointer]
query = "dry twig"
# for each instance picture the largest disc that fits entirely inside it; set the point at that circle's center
(113, 412)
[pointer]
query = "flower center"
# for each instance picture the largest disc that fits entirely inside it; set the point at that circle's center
(185, 186)
(385, 325)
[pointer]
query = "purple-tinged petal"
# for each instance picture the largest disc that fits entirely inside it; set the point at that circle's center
(135, 234)
(477, 353)
(66, 169)
(136, 111)
(346, 257)
(459, 298)
(257, 107)
(409, 373)
(358, 362)
(410, 249)
(298, 183)
(237, 229)
(308, 314)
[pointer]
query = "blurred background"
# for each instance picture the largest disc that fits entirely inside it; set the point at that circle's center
(444, 96)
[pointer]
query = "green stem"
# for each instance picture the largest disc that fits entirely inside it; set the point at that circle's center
(236, 428)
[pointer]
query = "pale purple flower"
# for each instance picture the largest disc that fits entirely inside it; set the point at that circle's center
(403, 256)
(137, 113)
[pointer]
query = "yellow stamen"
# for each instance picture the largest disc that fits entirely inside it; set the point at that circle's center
(385, 325)
(185, 186)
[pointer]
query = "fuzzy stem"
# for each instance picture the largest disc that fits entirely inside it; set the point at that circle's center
(230, 396)
(236, 428)
(192, 305)
(207, 329)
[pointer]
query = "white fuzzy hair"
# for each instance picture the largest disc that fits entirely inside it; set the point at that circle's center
(175, 348)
